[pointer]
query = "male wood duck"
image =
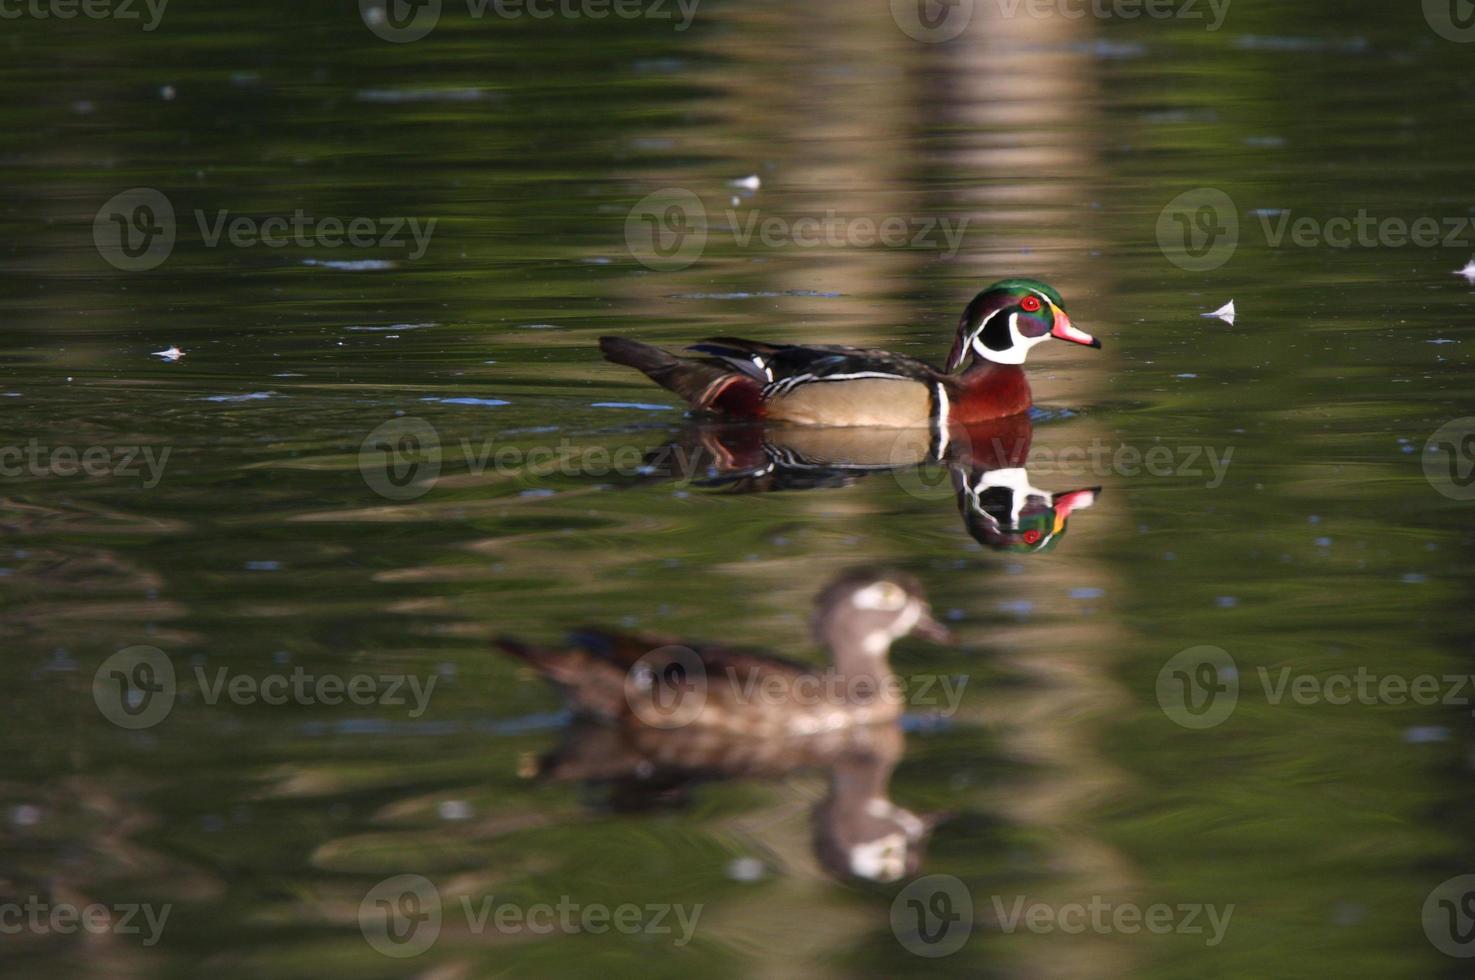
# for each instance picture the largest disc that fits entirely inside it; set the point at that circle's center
(642, 681)
(849, 386)
(1003, 511)
(985, 463)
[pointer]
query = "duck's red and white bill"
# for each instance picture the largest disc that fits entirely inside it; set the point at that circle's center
(1065, 330)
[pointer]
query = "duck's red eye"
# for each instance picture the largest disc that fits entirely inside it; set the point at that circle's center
(1030, 537)
(1030, 304)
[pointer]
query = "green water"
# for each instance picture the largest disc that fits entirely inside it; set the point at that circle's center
(260, 545)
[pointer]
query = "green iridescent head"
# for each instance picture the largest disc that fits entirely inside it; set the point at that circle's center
(1003, 512)
(1004, 321)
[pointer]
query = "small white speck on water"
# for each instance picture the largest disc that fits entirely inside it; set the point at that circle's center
(454, 810)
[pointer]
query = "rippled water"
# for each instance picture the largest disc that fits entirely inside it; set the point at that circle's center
(256, 533)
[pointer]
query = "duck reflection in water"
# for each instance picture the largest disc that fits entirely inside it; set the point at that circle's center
(656, 716)
(985, 465)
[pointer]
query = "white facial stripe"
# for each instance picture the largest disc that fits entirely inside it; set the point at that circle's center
(883, 859)
(1016, 480)
(1017, 351)
(886, 596)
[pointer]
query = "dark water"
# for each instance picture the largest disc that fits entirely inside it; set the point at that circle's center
(261, 543)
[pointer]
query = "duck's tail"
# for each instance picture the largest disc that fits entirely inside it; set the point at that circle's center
(592, 685)
(706, 386)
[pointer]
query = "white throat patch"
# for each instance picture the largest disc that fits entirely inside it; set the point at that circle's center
(883, 859)
(1015, 353)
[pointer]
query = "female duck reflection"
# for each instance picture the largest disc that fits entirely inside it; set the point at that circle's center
(655, 716)
(986, 465)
